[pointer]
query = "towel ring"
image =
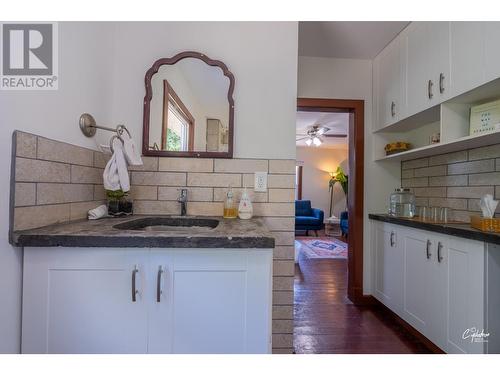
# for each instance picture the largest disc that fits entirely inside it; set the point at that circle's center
(120, 129)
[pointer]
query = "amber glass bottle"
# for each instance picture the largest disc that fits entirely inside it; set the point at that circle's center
(230, 210)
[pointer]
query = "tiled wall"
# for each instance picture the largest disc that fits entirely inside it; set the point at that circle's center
(456, 180)
(57, 182)
(52, 181)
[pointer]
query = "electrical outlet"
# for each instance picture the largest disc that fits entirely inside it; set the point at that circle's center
(260, 181)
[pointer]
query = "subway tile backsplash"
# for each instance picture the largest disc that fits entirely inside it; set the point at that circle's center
(56, 182)
(53, 182)
(455, 180)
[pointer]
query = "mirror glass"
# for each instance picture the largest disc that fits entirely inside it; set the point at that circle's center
(189, 109)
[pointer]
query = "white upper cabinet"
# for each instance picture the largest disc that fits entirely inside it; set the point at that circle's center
(437, 62)
(428, 67)
(389, 84)
(417, 69)
(467, 56)
(491, 50)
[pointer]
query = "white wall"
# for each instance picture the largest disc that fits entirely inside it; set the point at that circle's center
(101, 71)
(317, 162)
(83, 87)
(261, 55)
(352, 79)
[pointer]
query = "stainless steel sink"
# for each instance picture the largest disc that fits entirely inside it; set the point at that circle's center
(169, 224)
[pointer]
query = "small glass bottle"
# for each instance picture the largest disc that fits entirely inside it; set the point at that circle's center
(245, 209)
(230, 211)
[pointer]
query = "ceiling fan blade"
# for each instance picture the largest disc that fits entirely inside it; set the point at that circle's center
(300, 139)
(335, 135)
(322, 130)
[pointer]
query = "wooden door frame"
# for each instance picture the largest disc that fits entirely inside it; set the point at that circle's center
(356, 185)
(299, 181)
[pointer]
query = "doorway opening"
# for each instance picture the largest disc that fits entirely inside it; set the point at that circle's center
(340, 124)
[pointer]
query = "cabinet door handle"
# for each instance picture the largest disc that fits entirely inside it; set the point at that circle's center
(158, 284)
(392, 239)
(393, 109)
(439, 257)
(429, 89)
(428, 249)
(441, 83)
(134, 289)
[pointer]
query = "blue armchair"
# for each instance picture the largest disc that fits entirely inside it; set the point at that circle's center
(307, 218)
(344, 223)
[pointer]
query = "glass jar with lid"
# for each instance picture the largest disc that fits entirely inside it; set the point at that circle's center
(402, 203)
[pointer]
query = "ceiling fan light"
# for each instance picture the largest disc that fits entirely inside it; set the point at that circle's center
(309, 141)
(317, 142)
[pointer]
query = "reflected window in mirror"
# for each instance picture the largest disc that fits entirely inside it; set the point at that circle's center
(178, 122)
(188, 107)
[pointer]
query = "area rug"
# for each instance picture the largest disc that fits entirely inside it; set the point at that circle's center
(321, 247)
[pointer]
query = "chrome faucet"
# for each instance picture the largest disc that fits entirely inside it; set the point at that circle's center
(183, 201)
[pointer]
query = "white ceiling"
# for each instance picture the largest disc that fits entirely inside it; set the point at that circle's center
(337, 122)
(353, 39)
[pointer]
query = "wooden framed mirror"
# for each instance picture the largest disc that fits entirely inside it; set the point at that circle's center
(188, 108)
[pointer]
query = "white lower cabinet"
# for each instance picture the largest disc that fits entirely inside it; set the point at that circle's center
(89, 300)
(440, 281)
(467, 300)
(388, 262)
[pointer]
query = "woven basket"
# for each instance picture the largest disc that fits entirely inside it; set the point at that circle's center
(485, 224)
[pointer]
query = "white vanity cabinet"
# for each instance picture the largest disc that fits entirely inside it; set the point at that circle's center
(108, 300)
(210, 301)
(439, 279)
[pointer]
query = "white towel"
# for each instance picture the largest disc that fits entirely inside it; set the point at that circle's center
(98, 212)
(130, 151)
(115, 174)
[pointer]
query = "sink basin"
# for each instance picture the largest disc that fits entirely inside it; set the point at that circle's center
(168, 224)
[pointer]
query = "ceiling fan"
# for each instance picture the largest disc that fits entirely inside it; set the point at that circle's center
(315, 133)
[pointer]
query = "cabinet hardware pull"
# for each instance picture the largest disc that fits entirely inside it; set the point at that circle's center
(429, 89)
(440, 247)
(427, 249)
(158, 284)
(134, 289)
(441, 83)
(393, 109)
(392, 239)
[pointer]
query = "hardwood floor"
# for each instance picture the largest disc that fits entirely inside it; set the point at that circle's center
(327, 322)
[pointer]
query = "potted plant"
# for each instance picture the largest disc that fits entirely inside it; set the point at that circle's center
(340, 177)
(118, 204)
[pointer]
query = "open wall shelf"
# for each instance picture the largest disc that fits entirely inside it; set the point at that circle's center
(450, 119)
(463, 143)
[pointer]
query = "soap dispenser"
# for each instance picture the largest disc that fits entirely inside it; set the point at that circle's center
(230, 211)
(245, 209)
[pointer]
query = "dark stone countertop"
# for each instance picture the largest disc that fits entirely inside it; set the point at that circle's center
(453, 229)
(230, 233)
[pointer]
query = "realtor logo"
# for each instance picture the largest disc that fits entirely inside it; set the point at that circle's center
(29, 56)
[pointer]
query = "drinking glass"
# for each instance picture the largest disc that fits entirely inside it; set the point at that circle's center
(444, 214)
(435, 214)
